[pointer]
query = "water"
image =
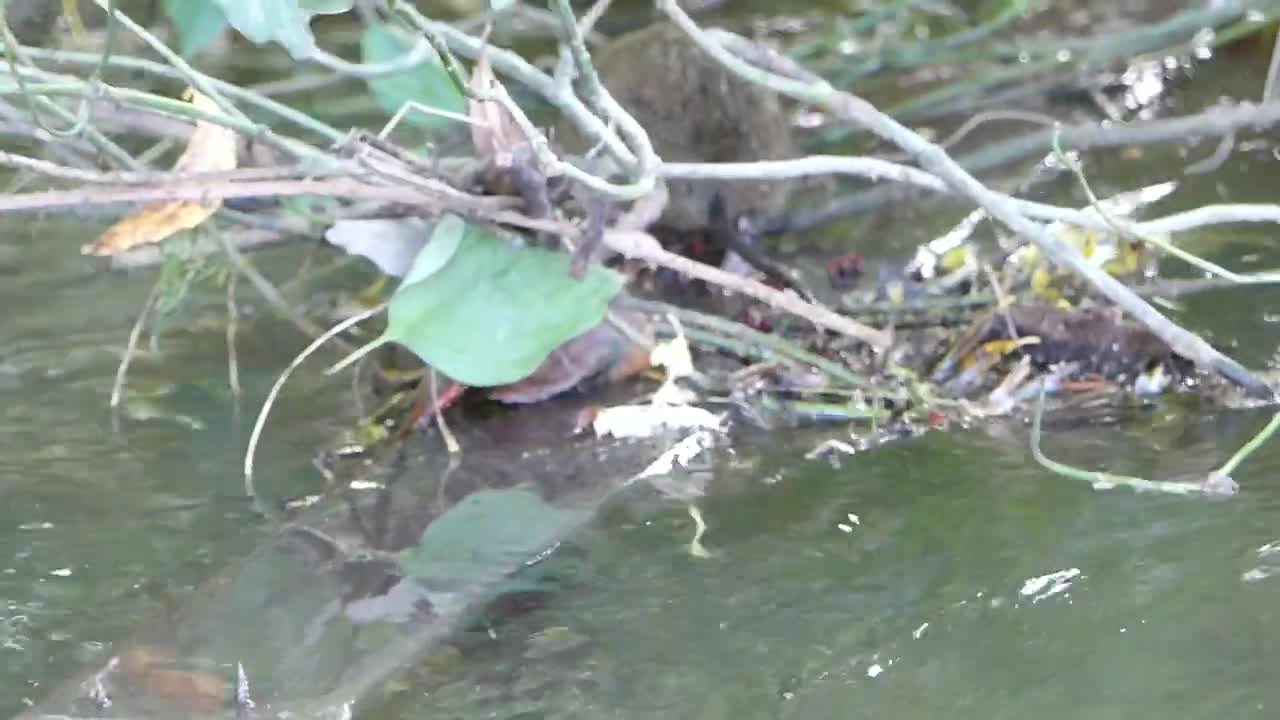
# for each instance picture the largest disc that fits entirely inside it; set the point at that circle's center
(926, 606)
(944, 576)
(102, 527)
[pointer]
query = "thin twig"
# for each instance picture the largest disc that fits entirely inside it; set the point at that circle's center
(159, 177)
(642, 246)
(450, 442)
(122, 371)
(273, 297)
(300, 358)
(1273, 71)
(600, 99)
(1248, 448)
(439, 197)
(1126, 229)
(1104, 480)
(196, 79)
(513, 66)
(589, 19)
(233, 322)
(246, 95)
(771, 345)
(934, 159)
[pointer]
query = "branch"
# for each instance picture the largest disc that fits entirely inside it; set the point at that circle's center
(934, 159)
(440, 197)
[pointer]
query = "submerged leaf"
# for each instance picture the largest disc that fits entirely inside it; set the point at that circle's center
(484, 312)
(427, 84)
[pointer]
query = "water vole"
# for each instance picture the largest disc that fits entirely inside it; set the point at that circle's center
(694, 111)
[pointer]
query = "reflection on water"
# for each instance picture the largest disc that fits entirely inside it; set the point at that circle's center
(969, 584)
(947, 576)
(100, 529)
(944, 576)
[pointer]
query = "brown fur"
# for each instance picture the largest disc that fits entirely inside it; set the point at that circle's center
(695, 111)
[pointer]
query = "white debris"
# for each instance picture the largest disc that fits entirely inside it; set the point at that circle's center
(1056, 582)
(640, 421)
(683, 452)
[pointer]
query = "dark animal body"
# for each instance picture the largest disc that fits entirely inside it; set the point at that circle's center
(695, 110)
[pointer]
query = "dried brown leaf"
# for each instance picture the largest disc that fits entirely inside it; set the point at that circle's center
(601, 351)
(212, 148)
(494, 131)
(150, 225)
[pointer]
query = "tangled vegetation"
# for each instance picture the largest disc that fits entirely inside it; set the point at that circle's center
(524, 269)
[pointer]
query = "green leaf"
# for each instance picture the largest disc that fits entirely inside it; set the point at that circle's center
(486, 536)
(197, 23)
(488, 313)
(443, 244)
(287, 22)
(326, 7)
(427, 84)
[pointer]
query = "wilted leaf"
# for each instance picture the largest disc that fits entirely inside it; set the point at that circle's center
(390, 243)
(603, 348)
(486, 536)
(197, 22)
(212, 148)
(427, 84)
(494, 133)
(151, 225)
(486, 313)
(287, 22)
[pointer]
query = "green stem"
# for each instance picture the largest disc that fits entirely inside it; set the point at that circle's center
(249, 97)
(1247, 449)
(182, 110)
(1103, 480)
(835, 371)
(196, 79)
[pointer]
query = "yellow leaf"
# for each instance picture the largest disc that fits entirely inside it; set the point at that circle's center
(212, 148)
(956, 258)
(150, 225)
(1042, 281)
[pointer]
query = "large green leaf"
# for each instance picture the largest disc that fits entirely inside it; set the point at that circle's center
(488, 535)
(486, 313)
(287, 22)
(197, 23)
(325, 7)
(427, 84)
